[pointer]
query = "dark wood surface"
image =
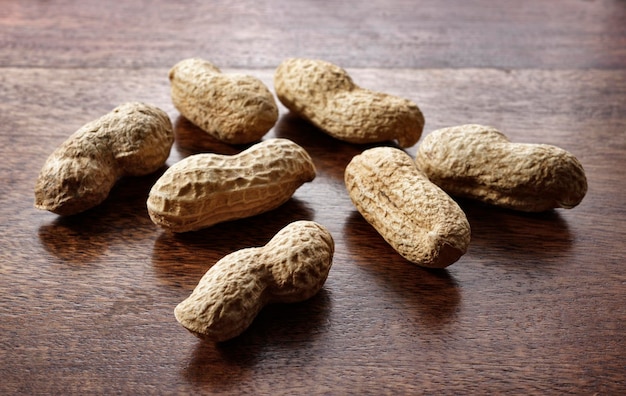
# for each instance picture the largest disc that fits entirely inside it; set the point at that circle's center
(536, 306)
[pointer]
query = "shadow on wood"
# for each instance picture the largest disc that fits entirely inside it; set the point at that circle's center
(123, 216)
(180, 259)
(293, 328)
(433, 294)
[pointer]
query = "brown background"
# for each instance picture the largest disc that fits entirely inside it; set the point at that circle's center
(535, 306)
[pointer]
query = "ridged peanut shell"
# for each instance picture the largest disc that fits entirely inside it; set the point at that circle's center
(134, 139)
(418, 219)
(325, 95)
(291, 267)
(480, 162)
(233, 108)
(205, 189)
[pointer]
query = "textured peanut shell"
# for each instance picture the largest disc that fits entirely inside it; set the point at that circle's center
(291, 267)
(206, 189)
(325, 95)
(132, 140)
(418, 219)
(233, 108)
(479, 162)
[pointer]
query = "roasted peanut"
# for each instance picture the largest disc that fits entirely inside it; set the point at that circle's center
(479, 162)
(206, 189)
(233, 108)
(291, 267)
(325, 95)
(418, 219)
(132, 140)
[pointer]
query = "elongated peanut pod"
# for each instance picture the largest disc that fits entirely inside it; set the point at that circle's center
(291, 267)
(325, 95)
(418, 219)
(206, 189)
(479, 162)
(234, 108)
(132, 140)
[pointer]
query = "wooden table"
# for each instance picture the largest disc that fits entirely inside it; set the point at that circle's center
(536, 306)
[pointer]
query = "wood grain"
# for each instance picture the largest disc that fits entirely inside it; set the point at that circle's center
(534, 307)
(244, 34)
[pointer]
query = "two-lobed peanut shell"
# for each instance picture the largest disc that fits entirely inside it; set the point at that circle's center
(205, 189)
(233, 108)
(479, 162)
(134, 139)
(418, 219)
(325, 95)
(291, 267)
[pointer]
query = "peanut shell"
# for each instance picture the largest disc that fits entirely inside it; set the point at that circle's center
(206, 189)
(325, 95)
(418, 219)
(291, 267)
(233, 108)
(134, 139)
(479, 162)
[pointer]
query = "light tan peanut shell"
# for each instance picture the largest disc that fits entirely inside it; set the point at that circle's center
(206, 189)
(234, 108)
(479, 162)
(325, 95)
(132, 140)
(418, 219)
(291, 267)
